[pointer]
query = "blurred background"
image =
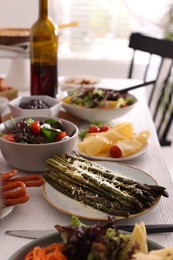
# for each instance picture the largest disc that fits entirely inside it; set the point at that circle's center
(102, 37)
(99, 46)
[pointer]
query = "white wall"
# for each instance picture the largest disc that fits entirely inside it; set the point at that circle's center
(16, 14)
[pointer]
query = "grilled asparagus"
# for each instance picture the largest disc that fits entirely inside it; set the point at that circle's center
(100, 188)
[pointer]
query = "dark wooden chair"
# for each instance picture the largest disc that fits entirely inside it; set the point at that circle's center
(162, 99)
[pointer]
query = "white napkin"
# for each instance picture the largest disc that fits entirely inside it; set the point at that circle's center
(21, 47)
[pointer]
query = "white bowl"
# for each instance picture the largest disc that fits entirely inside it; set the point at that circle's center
(97, 114)
(75, 81)
(52, 111)
(33, 157)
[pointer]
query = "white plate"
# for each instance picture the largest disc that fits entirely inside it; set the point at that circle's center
(6, 211)
(55, 238)
(111, 159)
(73, 207)
(76, 80)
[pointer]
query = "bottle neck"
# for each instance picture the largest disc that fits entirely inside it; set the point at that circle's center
(43, 9)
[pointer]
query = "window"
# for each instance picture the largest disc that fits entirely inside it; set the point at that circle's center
(105, 25)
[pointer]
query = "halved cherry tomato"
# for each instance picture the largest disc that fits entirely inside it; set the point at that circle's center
(124, 105)
(104, 128)
(60, 136)
(35, 127)
(8, 137)
(94, 129)
(115, 152)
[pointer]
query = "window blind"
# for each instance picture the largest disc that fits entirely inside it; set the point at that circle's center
(101, 23)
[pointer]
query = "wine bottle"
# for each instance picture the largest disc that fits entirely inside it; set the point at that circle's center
(44, 54)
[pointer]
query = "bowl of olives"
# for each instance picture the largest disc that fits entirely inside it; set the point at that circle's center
(34, 106)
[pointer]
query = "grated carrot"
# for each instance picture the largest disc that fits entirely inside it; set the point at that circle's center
(52, 252)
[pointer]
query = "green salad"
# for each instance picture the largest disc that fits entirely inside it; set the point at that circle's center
(36, 131)
(99, 98)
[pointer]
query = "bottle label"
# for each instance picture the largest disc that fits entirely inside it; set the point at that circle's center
(41, 38)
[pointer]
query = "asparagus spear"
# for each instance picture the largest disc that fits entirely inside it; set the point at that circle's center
(99, 181)
(80, 174)
(131, 189)
(153, 190)
(88, 197)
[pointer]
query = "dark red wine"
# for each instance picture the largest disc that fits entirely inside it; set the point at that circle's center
(44, 80)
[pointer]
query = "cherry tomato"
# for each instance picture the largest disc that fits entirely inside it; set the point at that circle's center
(94, 129)
(104, 128)
(35, 127)
(8, 137)
(115, 151)
(124, 105)
(60, 136)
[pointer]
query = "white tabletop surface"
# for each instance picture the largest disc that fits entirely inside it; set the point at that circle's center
(37, 213)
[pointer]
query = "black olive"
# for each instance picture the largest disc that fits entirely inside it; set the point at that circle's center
(34, 104)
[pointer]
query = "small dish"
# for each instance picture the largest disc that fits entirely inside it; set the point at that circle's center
(5, 211)
(78, 80)
(53, 106)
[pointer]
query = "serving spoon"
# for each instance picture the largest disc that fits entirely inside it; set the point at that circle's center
(145, 83)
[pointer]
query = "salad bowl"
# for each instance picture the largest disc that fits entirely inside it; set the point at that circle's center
(32, 157)
(98, 104)
(105, 238)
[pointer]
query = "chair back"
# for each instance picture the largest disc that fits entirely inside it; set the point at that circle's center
(162, 107)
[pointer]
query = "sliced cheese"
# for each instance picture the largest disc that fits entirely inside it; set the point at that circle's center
(94, 145)
(139, 235)
(122, 135)
(98, 144)
(134, 144)
(160, 254)
(116, 133)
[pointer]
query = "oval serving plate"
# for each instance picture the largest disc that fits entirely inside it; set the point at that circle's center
(71, 206)
(55, 238)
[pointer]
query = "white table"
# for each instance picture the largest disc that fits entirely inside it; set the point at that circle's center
(37, 213)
